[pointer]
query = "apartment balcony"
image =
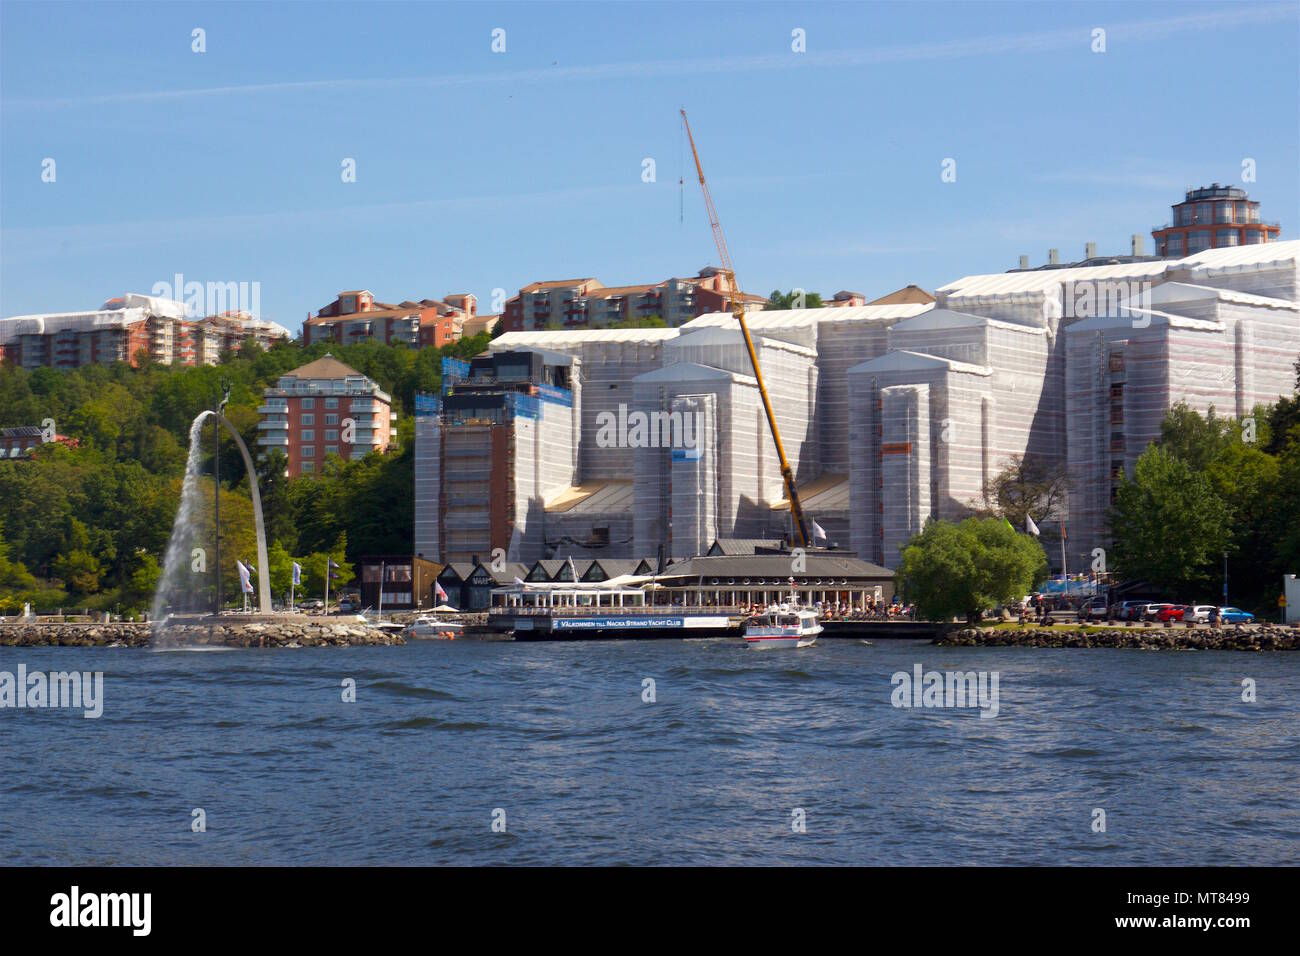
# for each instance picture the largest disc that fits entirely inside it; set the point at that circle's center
(273, 424)
(276, 439)
(273, 409)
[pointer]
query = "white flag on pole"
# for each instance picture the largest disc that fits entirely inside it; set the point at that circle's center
(297, 573)
(1030, 526)
(442, 595)
(818, 530)
(244, 581)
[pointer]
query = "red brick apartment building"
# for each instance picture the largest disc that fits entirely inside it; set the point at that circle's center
(586, 303)
(355, 316)
(324, 408)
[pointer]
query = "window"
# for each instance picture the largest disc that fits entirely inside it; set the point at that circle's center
(331, 449)
(1198, 240)
(331, 403)
(308, 403)
(331, 434)
(308, 452)
(307, 420)
(308, 467)
(1174, 245)
(308, 435)
(1225, 237)
(331, 419)
(1117, 361)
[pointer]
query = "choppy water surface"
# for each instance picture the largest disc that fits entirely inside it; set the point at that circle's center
(557, 736)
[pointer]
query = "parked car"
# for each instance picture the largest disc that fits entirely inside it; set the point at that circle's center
(1170, 612)
(1094, 609)
(1235, 615)
(1148, 611)
(315, 605)
(1200, 613)
(348, 606)
(1129, 610)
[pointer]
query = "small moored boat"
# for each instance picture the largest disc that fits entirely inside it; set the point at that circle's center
(430, 627)
(783, 625)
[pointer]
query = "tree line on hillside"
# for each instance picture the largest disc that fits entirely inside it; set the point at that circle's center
(87, 525)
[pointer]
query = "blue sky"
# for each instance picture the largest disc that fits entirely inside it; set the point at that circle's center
(478, 170)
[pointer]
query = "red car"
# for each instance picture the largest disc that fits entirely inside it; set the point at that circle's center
(1170, 612)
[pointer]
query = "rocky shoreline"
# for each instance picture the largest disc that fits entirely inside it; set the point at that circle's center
(1265, 637)
(322, 633)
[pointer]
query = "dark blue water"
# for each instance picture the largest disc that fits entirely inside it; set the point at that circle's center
(558, 737)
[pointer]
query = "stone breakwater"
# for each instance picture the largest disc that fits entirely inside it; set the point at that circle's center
(322, 633)
(1262, 638)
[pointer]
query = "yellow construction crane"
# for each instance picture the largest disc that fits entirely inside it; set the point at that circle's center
(738, 310)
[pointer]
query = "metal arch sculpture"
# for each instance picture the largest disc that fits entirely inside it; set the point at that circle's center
(263, 575)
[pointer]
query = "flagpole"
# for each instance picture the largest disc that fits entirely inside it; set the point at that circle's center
(1063, 575)
(381, 592)
(327, 585)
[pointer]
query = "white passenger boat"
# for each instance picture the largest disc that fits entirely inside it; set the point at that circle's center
(783, 625)
(430, 627)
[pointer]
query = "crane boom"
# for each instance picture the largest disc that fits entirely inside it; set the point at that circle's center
(738, 310)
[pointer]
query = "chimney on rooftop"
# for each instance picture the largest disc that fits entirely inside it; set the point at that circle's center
(1024, 262)
(1137, 244)
(1090, 250)
(1053, 257)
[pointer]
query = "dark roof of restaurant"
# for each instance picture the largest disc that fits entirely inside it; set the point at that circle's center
(741, 546)
(614, 566)
(816, 565)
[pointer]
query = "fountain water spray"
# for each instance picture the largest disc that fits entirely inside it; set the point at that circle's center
(176, 584)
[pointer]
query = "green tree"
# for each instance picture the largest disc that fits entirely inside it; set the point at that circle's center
(1194, 439)
(1168, 526)
(143, 581)
(1284, 419)
(1029, 486)
(280, 568)
(15, 580)
(314, 567)
(79, 571)
(787, 300)
(639, 322)
(960, 570)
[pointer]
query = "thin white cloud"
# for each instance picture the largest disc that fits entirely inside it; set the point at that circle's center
(989, 45)
(1156, 182)
(35, 242)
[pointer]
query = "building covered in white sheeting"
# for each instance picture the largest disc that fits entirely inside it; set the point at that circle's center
(893, 414)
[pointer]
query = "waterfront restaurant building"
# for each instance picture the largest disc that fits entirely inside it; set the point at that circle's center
(723, 581)
(715, 580)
